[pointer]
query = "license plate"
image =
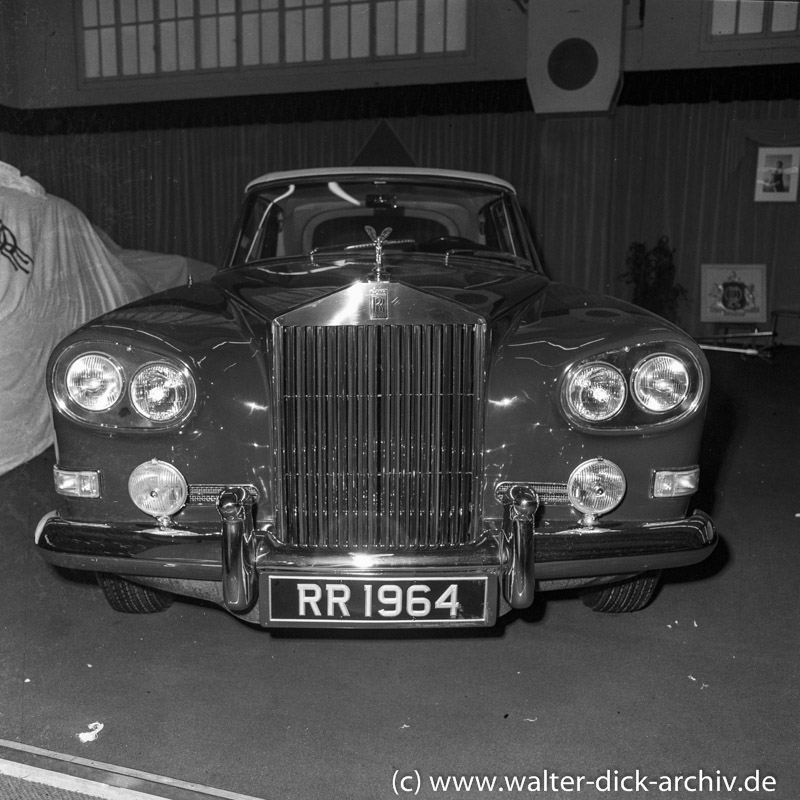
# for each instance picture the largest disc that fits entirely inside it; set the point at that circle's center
(395, 601)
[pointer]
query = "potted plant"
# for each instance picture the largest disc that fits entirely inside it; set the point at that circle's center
(652, 273)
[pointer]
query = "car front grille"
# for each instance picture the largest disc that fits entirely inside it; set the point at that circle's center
(380, 431)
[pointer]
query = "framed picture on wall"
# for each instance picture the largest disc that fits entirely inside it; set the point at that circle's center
(733, 293)
(776, 174)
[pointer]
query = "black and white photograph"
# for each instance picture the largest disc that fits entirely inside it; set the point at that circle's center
(398, 399)
(777, 174)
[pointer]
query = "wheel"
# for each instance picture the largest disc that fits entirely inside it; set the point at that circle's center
(618, 598)
(131, 598)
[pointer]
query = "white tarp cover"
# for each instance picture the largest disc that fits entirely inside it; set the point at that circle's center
(56, 273)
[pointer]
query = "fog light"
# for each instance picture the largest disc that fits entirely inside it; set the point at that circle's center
(157, 488)
(77, 483)
(596, 487)
(675, 482)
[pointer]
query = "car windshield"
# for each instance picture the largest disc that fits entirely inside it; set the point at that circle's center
(421, 215)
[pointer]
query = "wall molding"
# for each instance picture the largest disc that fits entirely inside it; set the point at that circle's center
(722, 85)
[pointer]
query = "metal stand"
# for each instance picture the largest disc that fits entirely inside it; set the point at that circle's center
(750, 343)
(727, 343)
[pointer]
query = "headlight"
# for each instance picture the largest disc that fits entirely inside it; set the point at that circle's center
(94, 382)
(161, 392)
(118, 386)
(157, 488)
(595, 392)
(660, 383)
(596, 487)
(635, 387)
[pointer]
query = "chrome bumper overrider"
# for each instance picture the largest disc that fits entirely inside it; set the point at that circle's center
(235, 554)
(239, 546)
(516, 546)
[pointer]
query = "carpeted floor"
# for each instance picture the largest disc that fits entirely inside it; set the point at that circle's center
(703, 679)
(19, 789)
(33, 773)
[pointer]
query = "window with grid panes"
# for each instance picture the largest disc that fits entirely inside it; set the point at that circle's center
(143, 38)
(739, 20)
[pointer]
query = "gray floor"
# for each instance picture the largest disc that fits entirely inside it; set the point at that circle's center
(703, 679)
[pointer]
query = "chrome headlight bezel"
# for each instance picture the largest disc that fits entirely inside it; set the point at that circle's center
(630, 361)
(638, 392)
(186, 389)
(583, 377)
(123, 413)
(114, 375)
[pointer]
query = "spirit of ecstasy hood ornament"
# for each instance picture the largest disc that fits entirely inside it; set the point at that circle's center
(378, 240)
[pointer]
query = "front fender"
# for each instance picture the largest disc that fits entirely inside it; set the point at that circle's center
(224, 350)
(529, 439)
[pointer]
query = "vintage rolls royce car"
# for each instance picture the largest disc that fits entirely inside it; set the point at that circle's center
(379, 412)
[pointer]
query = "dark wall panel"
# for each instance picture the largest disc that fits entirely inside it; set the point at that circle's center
(590, 185)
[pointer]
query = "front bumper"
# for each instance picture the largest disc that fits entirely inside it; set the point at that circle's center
(236, 558)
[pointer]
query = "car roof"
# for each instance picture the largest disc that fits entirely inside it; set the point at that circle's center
(382, 172)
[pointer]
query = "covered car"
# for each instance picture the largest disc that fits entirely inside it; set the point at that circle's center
(379, 413)
(57, 271)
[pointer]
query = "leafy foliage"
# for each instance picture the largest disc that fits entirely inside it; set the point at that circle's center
(652, 273)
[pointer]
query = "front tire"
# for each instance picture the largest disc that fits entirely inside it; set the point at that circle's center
(623, 597)
(131, 598)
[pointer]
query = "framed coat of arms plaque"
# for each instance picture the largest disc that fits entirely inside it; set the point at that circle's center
(733, 293)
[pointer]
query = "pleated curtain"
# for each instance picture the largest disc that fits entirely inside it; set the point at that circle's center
(589, 185)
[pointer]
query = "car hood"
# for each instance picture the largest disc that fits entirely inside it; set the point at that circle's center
(509, 299)
(490, 291)
(505, 297)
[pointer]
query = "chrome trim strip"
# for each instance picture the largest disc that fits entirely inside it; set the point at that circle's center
(590, 544)
(206, 494)
(549, 493)
(133, 550)
(41, 524)
(484, 555)
(377, 173)
(137, 550)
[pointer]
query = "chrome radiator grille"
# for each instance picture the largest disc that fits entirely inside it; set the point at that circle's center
(380, 431)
